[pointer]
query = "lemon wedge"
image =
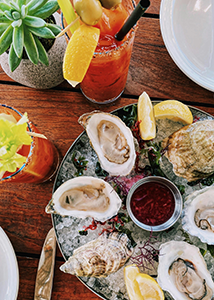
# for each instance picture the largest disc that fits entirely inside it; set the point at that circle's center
(146, 117)
(79, 53)
(133, 290)
(141, 286)
(174, 110)
(149, 287)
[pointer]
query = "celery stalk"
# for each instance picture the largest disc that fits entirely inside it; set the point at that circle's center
(68, 13)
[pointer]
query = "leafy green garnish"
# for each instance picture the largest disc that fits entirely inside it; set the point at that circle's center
(80, 164)
(12, 136)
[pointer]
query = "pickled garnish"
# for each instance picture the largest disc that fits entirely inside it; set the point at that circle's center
(90, 11)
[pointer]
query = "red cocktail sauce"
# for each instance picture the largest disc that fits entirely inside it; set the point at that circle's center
(152, 203)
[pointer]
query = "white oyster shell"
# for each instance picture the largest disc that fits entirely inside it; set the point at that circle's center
(202, 200)
(90, 122)
(169, 253)
(87, 204)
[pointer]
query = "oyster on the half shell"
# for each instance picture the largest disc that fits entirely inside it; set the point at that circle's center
(191, 150)
(85, 196)
(198, 214)
(112, 141)
(182, 272)
(100, 257)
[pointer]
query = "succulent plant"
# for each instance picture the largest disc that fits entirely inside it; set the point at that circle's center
(22, 25)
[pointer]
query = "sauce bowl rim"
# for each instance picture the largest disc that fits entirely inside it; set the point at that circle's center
(178, 203)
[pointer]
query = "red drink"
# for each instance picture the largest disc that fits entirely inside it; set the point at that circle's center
(42, 156)
(106, 77)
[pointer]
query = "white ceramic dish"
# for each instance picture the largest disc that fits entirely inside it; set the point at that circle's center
(187, 28)
(9, 274)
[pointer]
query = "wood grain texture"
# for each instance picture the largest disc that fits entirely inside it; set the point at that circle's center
(55, 112)
(65, 286)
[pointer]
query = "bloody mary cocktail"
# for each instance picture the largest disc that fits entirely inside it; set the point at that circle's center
(106, 77)
(41, 155)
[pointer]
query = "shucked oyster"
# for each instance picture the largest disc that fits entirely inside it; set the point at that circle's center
(182, 272)
(100, 257)
(83, 197)
(112, 140)
(191, 150)
(198, 214)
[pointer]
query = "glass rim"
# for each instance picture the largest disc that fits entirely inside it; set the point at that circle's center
(31, 146)
(127, 38)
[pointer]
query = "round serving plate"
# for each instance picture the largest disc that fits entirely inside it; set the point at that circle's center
(9, 275)
(187, 28)
(68, 229)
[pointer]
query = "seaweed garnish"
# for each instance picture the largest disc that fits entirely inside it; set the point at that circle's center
(80, 164)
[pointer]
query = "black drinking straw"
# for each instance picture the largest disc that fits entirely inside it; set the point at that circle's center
(133, 18)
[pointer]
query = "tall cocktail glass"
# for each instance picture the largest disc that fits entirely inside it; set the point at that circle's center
(106, 77)
(42, 156)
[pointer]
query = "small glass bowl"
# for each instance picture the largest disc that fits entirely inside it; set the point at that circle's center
(177, 197)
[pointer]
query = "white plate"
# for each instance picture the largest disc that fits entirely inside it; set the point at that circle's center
(187, 27)
(9, 272)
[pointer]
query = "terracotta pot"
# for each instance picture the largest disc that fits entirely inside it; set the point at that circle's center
(40, 76)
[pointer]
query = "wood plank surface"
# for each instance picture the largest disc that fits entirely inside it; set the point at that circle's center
(151, 70)
(55, 112)
(65, 286)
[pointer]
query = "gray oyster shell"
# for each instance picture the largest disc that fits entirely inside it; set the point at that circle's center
(191, 150)
(100, 257)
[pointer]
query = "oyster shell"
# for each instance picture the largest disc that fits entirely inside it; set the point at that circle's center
(198, 214)
(191, 150)
(100, 257)
(112, 141)
(83, 197)
(182, 272)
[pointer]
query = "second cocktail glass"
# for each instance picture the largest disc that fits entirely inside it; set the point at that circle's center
(42, 156)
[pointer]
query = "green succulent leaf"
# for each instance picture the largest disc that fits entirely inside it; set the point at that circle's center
(17, 23)
(3, 27)
(21, 2)
(3, 19)
(48, 9)
(18, 40)
(43, 56)
(56, 29)
(6, 39)
(43, 32)
(34, 21)
(16, 15)
(4, 6)
(8, 15)
(14, 60)
(30, 47)
(14, 5)
(23, 11)
(35, 5)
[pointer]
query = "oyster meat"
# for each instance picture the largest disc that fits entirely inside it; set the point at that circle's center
(100, 257)
(85, 196)
(191, 150)
(198, 214)
(182, 272)
(112, 141)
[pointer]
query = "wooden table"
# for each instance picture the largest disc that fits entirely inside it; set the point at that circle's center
(55, 112)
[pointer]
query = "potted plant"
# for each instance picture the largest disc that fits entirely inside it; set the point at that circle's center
(30, 54)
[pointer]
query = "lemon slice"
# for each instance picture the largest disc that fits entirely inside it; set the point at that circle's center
(146, 117)
(79, 53)
(175, 110)
(149, 287)
(141, 286)
(133, 290)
